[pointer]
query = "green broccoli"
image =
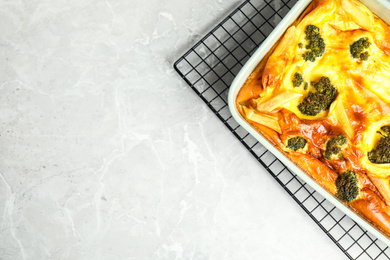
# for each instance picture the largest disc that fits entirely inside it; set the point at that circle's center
(300, 45)
(334, 145)
(381, 153)
(358, 47)
(306, 86)
(316, 46)
(297, 80)
(347, 186)
(386, 129)
(296, 143)
(315, 102)
(364, 56)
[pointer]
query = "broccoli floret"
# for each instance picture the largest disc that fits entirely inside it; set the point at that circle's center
(386, 129)
(333, 147)
(316, 46)
(311, 105)
(347, 186)
(315, 102)
(364, 56)
(297, 80)
(296, 143)
(358, 47)
(381, 153)
(306, 86)
(300, 45)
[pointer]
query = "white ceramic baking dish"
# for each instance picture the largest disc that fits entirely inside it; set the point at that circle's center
(382, 9)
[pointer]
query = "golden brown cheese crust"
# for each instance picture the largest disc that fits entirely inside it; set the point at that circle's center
(268, 100)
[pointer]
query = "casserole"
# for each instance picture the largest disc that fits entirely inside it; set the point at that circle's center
(280, 63)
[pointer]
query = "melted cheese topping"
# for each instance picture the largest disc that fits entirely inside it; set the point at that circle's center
(363, 86)
(362, 105)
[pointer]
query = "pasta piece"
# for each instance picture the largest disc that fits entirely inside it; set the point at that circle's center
(266, 120)
(342, 118)
(278, 101)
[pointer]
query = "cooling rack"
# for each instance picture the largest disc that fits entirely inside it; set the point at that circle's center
(209, 68)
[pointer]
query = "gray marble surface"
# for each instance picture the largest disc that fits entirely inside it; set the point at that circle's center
(105, 153)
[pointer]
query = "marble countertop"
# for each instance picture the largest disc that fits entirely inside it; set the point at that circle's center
(107, 154)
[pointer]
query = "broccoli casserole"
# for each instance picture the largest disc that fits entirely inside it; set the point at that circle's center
(322, 97)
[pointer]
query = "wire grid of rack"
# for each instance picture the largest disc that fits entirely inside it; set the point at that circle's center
(209, 68)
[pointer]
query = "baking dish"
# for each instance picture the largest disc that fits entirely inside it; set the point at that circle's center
(382, 9)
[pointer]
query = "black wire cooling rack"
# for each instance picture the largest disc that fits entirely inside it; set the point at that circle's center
(209, 68)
